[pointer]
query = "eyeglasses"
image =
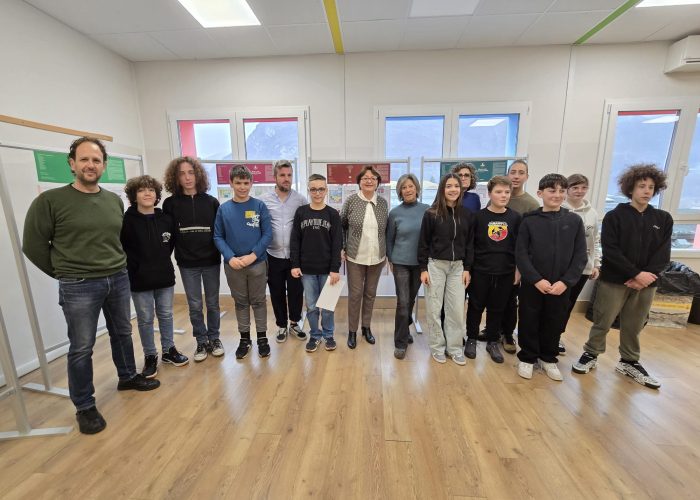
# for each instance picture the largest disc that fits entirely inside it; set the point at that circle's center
(317, 190)
(464, 175)
(370, 179)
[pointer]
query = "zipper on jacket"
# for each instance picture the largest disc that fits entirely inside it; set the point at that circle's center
(454, 235)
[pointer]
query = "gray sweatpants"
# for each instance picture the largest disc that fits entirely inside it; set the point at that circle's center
(248, 290)
(445, 287)
(633, 307)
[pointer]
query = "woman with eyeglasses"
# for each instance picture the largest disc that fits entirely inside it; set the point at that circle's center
(445, 255)
(467, 178)
(364, 217)
(402, 233)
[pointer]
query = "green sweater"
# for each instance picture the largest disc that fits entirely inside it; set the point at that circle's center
(71, 234)
(524, 203)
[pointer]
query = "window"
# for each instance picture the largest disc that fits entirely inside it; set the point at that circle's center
(426, 134)
(225, 135)
(488, 136)
(666, 134)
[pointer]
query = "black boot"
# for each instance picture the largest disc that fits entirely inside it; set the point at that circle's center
(367, 334)
(352, 340)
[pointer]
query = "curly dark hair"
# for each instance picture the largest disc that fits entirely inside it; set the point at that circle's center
(74, 146)
(472, 171)
(171, 177)
(629, 177)
(144, 181)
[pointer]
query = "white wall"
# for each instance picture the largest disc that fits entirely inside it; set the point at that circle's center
(55, 75)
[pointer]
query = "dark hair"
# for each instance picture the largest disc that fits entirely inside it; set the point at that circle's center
(74, 146)
(281, 164)
(365, 169)
(172, 173)
(439, 206)
(316, 177)
(472, 171)
(145, 181)
(499, 180)
(402, 180)
(635, 173)
(240, 172)
(576, 179)
(522, 162)
(552, 181)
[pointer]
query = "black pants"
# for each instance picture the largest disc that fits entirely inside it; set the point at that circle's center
(573, 297)
(407, 282)
(286, 292)
(490, 292)
(542, 317)
(510, 313)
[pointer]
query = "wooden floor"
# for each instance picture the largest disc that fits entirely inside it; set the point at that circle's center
(362, 425)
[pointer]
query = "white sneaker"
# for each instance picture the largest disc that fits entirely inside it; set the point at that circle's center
(638, 373)
(525, 369)
(552, 370)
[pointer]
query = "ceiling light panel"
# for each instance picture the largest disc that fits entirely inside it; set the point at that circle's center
(438, 8)
(667, 3)
(221, 13)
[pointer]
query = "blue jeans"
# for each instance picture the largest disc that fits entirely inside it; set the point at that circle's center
(192, 280)
(144, 302)
(81, 300)
(313, 284)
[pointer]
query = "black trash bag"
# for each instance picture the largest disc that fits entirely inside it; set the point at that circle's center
(679, 279)
(589, 309)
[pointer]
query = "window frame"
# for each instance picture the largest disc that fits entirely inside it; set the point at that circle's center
(676, 167)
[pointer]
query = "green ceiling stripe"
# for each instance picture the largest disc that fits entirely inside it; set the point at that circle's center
(614, 15)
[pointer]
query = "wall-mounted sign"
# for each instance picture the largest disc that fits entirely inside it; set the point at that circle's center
(54, 167)
(485, 169)
(346, 173)
(262, 172)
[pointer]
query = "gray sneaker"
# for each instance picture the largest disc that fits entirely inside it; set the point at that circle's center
(459, 359)
(494, 351)
(638, 373)
(586, 363)
(470, 348)
(439, 357)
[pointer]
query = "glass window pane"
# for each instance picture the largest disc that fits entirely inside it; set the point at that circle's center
(488, 136)
(686, 236)
(431, 179)
(205, 139)
(690, 196)
(640, 137)
(271, 138)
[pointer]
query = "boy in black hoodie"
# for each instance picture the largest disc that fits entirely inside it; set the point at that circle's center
(636, 241)
(147, 239)
(194, 211)
(550, 255)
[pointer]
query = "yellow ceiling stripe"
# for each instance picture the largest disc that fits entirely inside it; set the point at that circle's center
(334, 24)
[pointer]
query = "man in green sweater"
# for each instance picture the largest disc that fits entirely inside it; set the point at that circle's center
(72, 234)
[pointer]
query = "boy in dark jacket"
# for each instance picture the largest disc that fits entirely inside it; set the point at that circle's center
(636, 241)
(147, 239)
(550, 255)
(315, 244)
(194, 211)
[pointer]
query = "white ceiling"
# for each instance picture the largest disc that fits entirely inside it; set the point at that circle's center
(150, 30)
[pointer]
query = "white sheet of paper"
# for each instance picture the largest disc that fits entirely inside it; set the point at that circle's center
(330, 294)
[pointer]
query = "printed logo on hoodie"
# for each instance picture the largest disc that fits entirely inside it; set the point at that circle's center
(166, 237)
(252, 218)
(498, 231)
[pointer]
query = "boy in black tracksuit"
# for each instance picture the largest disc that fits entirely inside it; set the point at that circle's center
(636, 241)
(147, 239)
(493, 271)
(550, 255)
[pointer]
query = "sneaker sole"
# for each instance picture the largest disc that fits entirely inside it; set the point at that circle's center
(459, 363)
(199, 360)
(164, 360)
(584, 371)
(329, 348)
(281, 340)
(150, 376)
(218, 355)
(441, 361)
(264, 355)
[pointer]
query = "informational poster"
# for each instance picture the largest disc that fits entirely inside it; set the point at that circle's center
(485, 169)
(262, 172)
(224, 193)
(335, 196)
(53, 167)
(346, 173)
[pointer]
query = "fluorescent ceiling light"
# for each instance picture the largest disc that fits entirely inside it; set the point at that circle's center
(438, 8)
(221, 13)
(487, 122)
(663, 119)
(666, 3)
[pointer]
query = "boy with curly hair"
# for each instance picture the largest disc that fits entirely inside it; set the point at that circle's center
(636, 241)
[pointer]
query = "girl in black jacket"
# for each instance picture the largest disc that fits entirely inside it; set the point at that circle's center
(445, 254)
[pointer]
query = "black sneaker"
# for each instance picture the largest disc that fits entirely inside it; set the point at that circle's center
(201, 353)
(263, 347)
(243, 348)
(494, 351)
(138, 383)
(330, 344)
(175, 357)
(586, 363)
(562, 348)
(296, 330)
(150, 366)
(470, 348)
(481, 337)
(312, 345)
(281, 335)
(90, 421)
